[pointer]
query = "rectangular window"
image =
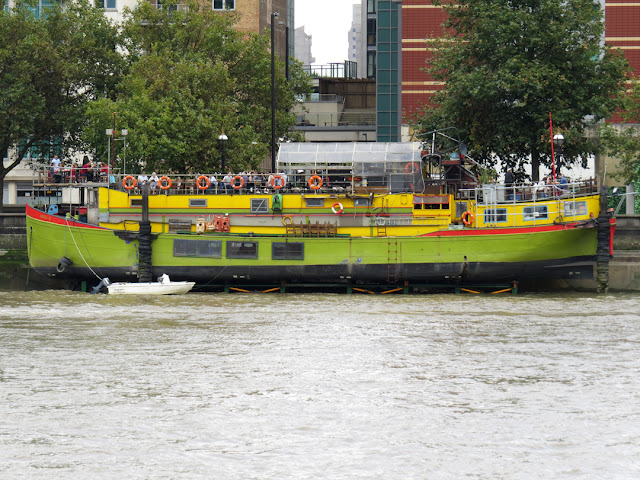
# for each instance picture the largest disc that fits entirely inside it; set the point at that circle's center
(539, 212)
(108, 4)
(259, 205)
(197, 202)
(314, 202)
(288, 251)
(242, 249)
(573, 209)
(361, 202)
(495, 215)
(197, 248)
(224, 4)
(136, 202)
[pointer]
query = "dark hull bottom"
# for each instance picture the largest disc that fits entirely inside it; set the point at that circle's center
(573, 268)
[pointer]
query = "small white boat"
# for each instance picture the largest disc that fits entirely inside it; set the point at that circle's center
(164, 286)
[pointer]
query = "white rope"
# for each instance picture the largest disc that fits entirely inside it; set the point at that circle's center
(77, 248)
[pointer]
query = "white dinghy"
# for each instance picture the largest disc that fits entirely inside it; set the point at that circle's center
(164, 286)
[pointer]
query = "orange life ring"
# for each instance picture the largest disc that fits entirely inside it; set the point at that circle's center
(273, 182)
(200, 185)
(337, 208)
(167, 185)
(235, 185)
(127, 185)
(467, 218)
(412, 168)
(315, 182)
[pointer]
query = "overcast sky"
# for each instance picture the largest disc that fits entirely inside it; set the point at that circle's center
(328, 22)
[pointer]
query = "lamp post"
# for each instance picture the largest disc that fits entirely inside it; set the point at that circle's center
(222, 138)
(558, 141)
(273, 91)
(109, 132)
(125, 134)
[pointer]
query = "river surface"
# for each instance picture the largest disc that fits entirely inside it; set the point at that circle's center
(319, 386)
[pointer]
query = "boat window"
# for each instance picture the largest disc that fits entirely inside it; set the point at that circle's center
(197, 248)
(287, 251)
(242, 249)
(314, 202)
(495, 215)
(197, 202)
(572, 209)
(136, 202)
(362, 202)
(539, 212)
(259, 205)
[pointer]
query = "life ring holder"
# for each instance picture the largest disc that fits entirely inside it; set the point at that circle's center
(285, 218)
(127, 185)
(200, 185)
(235, 185)
(337, 208)
(412, 168)
(167, 185)
(273, 182)
(467, 218)
(315, 182)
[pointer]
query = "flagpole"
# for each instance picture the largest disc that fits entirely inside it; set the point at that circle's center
(553, 154)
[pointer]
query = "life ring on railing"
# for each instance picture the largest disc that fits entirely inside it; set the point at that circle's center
(235, 185)
(280, 184)
(167, 185)
(200, 185)
(467, 218)
(337, 208)
(315, 182)
(127, 185)
(412, 168)
(285, 218)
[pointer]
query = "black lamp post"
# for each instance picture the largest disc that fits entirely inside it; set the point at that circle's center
(273, 91)
(558, 141)
(223, 139)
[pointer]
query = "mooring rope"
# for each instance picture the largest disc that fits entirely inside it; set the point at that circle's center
(78, 248)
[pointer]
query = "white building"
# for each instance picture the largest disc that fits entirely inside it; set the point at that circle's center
(356, 51)
(303, 44)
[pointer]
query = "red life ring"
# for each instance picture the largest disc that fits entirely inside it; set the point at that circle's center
(127, 185)
(315, 182)
(337, 208)
(167, 185)
(200, 185)
(273, 182)
(467, 218)
(235, 185)
(412, 168)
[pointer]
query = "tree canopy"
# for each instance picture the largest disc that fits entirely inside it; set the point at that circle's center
(508, 64)
(51, 65)
(192, 77)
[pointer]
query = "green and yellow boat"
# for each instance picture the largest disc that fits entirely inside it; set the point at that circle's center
(364, 213)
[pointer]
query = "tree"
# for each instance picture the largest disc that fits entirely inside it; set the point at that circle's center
(50, 66)
(193, 76)
(507, 64)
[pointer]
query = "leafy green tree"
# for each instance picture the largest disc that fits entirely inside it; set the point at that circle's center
(50, 67)
(507, 64)
(193, 76)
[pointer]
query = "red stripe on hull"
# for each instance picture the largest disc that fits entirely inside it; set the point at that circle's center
(46, 217)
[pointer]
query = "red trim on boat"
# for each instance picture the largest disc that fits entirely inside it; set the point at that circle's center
(46, 217)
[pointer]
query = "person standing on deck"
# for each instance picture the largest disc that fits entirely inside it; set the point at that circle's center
(508, 183)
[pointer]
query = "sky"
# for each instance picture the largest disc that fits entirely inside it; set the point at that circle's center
(328, 22)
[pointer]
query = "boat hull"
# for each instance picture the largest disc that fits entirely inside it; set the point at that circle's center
(473, 256)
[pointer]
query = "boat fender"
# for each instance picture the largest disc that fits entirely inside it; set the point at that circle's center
(315, 182)
(467, 218)
(337, 208)
(63, 263)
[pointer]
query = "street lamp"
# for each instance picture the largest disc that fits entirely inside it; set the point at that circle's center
(125, 134)
(558, 141)
(273, 91)
(222, 138)
(109, 132)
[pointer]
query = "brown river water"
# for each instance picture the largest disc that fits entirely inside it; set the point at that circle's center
(319, 386)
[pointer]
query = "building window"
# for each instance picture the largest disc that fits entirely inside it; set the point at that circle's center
(41, 7)
(371, 32)
(287, 251)
(224, 4)
(535, 213)
(572, 209)
(242, 250)
(495, 215)
(107, 4)
(372, 6)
